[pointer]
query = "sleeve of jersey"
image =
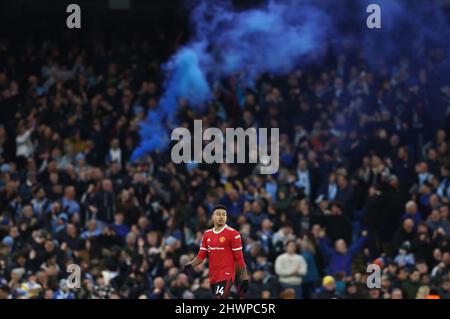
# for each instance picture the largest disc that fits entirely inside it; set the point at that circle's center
(236, 247)
(203, 249)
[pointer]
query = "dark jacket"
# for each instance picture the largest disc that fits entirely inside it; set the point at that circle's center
(106, 204)
(203, 293)
(338, 227)
(326, 294)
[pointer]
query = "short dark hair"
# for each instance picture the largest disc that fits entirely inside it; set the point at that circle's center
(290, 241)
(5, 288)
(287, 224)
(218, 206)
(338, 205)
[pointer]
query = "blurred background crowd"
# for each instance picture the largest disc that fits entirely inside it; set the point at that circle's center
(364, 174)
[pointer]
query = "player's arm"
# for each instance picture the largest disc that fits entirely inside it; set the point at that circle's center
(242, 272)
(200, 256)
(236, 246)
(195, 262)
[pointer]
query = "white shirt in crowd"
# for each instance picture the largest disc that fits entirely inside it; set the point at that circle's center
(286, 264)
(24, 144)
(115, 155)
(304, 181)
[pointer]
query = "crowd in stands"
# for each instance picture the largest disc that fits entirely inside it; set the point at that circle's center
(364, 177)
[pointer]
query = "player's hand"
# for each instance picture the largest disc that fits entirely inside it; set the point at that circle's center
(244, 286)
(188, 268)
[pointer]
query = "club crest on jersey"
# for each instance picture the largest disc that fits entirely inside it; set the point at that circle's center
(222, 239)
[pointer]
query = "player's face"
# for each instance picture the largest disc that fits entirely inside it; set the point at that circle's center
(219, 217)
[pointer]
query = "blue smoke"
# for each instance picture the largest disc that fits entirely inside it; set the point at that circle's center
(186, 80)
(277, 37)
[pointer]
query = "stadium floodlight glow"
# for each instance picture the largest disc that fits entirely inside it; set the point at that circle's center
(233, 142)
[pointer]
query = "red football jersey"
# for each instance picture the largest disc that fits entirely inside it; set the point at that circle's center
(224, 250)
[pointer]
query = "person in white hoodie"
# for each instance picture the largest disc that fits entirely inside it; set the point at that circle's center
(24, 145)
(290, 268)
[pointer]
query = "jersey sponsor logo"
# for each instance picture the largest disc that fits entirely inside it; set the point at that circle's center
(222, 239)
(216, 248)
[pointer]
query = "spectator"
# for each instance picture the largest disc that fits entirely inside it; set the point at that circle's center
(434, 222)
(288, 294)
(302, 218)
(405, 233)
(337, 225)
(92, 230)
(283, 235)
(312, 277)
(118, 226)
(340, 258)
(115, 153)
(104, 203)
(329, 190)
(24, 144)
(69, 203)
(290, 268)
(5, 292)
(412, 285)
(204, 290)
(344, 195)
(257, 287)
(412, 212)
(328, 290)
(396, 294)
(353, 291)
(26, 189)
(405, 257)
(63, 292)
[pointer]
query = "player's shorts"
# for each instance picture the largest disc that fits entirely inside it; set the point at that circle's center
(221, 289)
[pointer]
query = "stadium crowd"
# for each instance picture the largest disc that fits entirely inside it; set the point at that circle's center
(364, 177)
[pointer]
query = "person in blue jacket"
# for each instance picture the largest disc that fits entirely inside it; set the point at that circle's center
(312, 277)
(340, 258)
